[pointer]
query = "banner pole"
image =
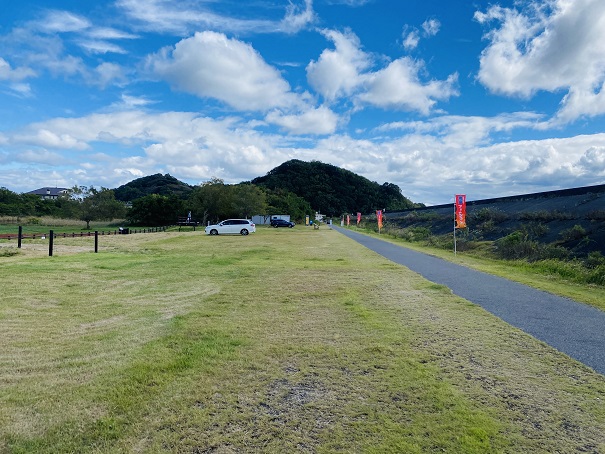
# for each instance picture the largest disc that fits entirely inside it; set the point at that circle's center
(454, 231)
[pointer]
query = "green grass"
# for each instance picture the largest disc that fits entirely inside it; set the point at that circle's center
(283, 341)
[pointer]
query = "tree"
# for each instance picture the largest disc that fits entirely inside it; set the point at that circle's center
(284, 202)
(248, 200)
(153, 184)
(10, 202)
(332, 190)
(97, 204)
(210, 201)
(156, 210)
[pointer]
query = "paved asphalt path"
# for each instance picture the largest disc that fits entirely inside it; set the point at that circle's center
(573, 328)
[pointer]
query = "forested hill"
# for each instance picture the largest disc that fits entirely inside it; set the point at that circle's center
(153, 184)
(332, 190)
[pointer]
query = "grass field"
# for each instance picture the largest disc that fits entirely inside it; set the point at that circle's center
(282, 341)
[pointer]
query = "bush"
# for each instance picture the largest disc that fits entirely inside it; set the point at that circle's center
(594, 260)
(441, 242)
(596, 215)
(545, 216)
(516, 246)
(577, 232)
(597, 275)
(488, 215)
(534, 229)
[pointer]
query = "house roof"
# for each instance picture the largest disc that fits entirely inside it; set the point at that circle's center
(48, 191)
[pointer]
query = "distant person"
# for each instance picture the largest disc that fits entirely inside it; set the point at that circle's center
(188, 217)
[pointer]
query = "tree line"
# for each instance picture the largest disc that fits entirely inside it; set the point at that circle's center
(295, 188)
(209, 202)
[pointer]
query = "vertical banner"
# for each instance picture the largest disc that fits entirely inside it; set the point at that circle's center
(460, 208)
(358, 218)
(348, 220)
(379, 218)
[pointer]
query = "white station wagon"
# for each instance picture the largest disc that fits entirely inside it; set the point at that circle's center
(231, 226)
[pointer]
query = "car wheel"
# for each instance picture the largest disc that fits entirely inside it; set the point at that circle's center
(213, 232)
(290, 226)
(244, 232)
(275, 225)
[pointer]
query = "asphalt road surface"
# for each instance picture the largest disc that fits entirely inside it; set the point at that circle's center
(573, 328)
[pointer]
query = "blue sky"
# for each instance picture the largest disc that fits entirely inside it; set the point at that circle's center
(484, 98)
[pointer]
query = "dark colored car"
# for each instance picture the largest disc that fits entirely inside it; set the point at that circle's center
(281, 223)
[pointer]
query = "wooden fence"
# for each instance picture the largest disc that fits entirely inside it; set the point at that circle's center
(51, 235)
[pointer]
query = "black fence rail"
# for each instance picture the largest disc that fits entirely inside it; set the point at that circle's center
(51, 235)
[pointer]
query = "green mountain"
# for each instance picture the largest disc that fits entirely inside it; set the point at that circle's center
(332, 190)
(153, 184)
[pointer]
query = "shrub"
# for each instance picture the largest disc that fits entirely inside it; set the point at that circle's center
(516, 246)
(408, 234)
(596, 215)
(550, 251)
(534, 229)
(594, 260)
(441, 242)
(597, 275)
(577, 232)
(488, 215)
(545, 216)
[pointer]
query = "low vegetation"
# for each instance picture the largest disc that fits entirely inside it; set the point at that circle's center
(283, 341)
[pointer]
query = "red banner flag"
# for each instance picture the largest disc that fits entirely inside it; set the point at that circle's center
(348, 219)
(460, 209)
(379, 217)
(358, 218)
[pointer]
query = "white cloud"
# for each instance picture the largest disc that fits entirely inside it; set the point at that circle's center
(196, 148)
(352, 3)
(593, 161)
(49, 138)
(411, 35)
(100, 47)
(21, 90)
(410, 39)
(398, 86)
(556, 46)
(313, 121)
(149, 142)
(468, 131)
(128, 102)
(337, 72)
(16, 74)
(62, 22)
(297, 18)
(107, 73)
(104, 33)
(343, 72)
(41, 156)
(210, 65)
(431, 27)
(184, 18)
